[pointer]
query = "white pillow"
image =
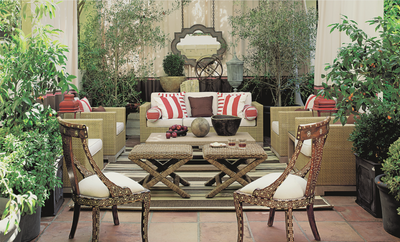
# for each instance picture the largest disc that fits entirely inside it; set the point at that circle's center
(172, 105)
(92, 186)
(231, 104)
(293, 186)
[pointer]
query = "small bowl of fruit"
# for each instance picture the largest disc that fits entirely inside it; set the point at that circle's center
(176, 130)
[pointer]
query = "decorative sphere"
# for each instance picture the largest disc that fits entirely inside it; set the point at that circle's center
(200, 127)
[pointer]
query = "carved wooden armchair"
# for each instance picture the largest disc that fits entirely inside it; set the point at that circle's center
(97, 189)
(287, 190)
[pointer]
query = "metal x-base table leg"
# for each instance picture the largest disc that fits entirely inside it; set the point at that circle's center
(231, 169)
(163, 170)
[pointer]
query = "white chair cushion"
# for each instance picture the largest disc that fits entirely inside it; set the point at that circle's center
(95, 145)
(306, 148)
(292, 188)
(92, 186)
(275, 127)
(120, 127)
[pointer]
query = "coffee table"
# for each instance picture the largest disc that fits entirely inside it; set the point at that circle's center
(166, 159)
(251, 157)
(191, 139)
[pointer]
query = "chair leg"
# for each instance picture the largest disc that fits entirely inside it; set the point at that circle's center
(115, 215)
(271, 217)
(239, 216)
(311, 220)
(77, 210)
(289, 225)
(145, 216)
(96, 224)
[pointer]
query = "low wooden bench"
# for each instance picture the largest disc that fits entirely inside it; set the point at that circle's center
(166, 158)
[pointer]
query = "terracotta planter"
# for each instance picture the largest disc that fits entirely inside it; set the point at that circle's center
(390, 218)
(367, 193)
(171, 83)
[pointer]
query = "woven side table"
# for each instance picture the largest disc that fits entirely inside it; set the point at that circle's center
(252, 156)
(166, 159)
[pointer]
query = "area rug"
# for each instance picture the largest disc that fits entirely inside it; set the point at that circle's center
(197, 172)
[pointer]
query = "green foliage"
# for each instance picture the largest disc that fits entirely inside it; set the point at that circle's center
(281, 36)
(364, 68)
(10, 16)
(112, 45)
(27, 161)
(391, 169)
(173, 64)
(375, 131)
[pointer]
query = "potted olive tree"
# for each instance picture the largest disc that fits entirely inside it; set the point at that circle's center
(389, 189)
(364, 77)
(29, 138)
(173, 65)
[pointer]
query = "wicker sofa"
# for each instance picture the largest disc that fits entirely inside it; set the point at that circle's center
(338, 169)
(95, 137)
(254, 127)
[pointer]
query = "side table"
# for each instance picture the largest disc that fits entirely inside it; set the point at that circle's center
(166, 159)
(252, 156)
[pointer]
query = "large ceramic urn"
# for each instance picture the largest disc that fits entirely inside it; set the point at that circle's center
(171, 83)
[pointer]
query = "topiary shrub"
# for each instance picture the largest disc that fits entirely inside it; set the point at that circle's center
(173, 64)
(391, 169)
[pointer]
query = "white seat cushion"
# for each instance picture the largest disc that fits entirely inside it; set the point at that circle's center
(92, 186)
(275, 127)
(120, 127)
(306, 148)
(95, 145)
(292, 188)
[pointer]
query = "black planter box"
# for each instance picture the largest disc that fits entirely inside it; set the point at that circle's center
(367, 192)
(56, 199)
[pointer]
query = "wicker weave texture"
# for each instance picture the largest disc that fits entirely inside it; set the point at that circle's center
(251, 151)
(161, 151)
(285, 116)
(112, 143)
(257, 132)
(95, 131)
(338, 166)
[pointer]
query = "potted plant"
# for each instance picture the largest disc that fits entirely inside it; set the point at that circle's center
(29, 138)
(173, 65)
(365, 79)
(389, 189)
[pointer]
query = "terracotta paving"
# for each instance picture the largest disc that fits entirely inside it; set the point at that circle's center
(346, 222)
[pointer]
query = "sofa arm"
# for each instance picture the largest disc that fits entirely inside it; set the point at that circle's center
(109, 120)
(94, 126)
(275, 111)
(120, 111)
(142, 112)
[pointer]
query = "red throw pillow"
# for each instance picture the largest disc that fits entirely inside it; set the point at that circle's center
(172, 105)
(231, 104)
(99, 109)
(201, 106)
(153, 114)
(250, 112)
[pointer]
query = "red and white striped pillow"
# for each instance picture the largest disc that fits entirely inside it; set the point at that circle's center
(231, 104)
(172, 105)
(84, 105)
(250, 112)
(153, 114)
(310, 102)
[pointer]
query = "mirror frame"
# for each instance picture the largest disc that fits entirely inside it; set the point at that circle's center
(191, 30)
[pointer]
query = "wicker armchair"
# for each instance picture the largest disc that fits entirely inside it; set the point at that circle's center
(95, 135)
(113, 143)
(286, 190)
(97, 189)
(282, 121)
(338, 172)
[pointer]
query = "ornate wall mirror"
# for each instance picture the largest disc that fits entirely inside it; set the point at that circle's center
(197, 42)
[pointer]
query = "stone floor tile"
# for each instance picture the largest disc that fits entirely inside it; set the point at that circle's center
(332, 231)
(124, 216)
(121, 233)
(277, 233)
(373, 231)
(173, 232)
(221, 232)
(341, 200)
(355, 213)
(217, 216)
(172, 217)
(263, 216)
(59, 231)
(323, 215)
